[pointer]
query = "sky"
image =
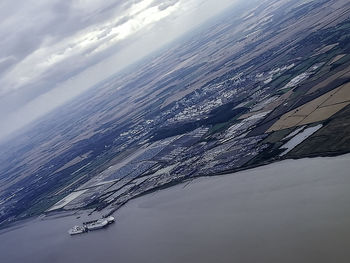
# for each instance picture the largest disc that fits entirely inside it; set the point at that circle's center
(53, 51)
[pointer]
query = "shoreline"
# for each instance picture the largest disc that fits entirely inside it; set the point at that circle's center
(61, 213)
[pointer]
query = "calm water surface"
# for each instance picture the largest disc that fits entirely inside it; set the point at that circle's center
(292, 211)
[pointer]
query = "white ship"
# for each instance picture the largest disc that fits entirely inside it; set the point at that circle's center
(77, 230)
(96, 224)
(92, 225)
(110, 219)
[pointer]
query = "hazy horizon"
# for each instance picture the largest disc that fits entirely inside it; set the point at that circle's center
(50, 60)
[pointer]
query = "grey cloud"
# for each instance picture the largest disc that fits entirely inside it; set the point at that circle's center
(35, 21)
(6, 63)
(57, 20)
(63, 20)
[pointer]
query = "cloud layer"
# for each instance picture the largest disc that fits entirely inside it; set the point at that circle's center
(45, 37)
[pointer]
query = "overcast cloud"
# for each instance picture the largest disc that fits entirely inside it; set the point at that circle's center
(51, 51)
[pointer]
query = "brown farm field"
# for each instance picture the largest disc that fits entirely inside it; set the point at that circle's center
(316, 110)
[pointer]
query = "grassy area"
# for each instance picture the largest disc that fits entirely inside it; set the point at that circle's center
(280, 81)
(333, 138)
(218, 128)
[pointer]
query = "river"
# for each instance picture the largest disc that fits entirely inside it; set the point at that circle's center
(291, 211)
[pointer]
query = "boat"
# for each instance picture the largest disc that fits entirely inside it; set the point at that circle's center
(92, 225)
(75, 230)
(110, 219)
(99, 223)
(96, 224)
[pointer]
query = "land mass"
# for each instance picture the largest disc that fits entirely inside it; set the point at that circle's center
(264, 82)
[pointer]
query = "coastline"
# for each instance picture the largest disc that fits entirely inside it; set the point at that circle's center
(174, 183)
